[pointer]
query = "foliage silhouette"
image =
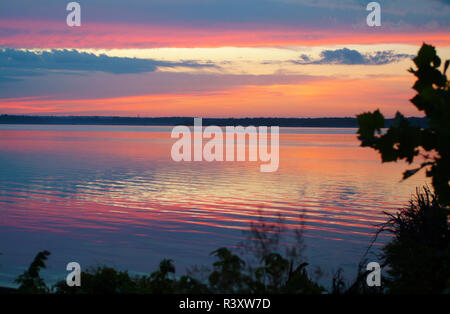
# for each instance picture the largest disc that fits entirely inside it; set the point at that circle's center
(227, 275)
(403, 141)
(107, 280)
(30, 281)
(273, 266)
(273, 272)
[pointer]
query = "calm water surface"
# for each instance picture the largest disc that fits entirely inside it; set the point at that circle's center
(112, 195)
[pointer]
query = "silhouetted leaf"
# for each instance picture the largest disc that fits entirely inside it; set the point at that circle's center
(409, 173)
(369, 123)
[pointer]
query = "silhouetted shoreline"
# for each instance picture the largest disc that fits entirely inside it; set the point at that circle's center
(346, 122)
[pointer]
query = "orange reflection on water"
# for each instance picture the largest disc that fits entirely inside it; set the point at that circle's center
(118, 185)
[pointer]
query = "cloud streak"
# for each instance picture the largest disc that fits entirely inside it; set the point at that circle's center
(23, 63)
(353, 57)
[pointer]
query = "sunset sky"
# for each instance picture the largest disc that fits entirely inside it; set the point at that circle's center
(214, 58)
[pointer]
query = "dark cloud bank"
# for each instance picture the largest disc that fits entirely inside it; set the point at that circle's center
(17, 63)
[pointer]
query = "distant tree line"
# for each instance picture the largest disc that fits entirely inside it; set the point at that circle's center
(346, 122)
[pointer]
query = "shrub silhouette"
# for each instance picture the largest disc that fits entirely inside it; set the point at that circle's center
(276, 268)
(418, 258)
(227, 276)
(30, 281)
(107, 280)
(272, 272)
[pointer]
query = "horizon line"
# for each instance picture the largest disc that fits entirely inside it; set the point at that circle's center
(184, 117)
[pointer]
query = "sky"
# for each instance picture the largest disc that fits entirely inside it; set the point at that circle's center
(214, 58)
